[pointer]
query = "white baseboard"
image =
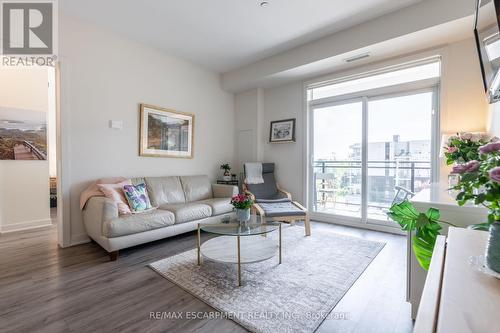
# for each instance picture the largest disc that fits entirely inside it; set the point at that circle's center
(79, 239)
(350, 222)
(13, 227)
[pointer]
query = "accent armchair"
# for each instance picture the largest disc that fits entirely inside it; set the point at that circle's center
(273, 202)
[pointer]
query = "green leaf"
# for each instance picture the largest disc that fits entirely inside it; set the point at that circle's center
(426, 226)
(423, 251)
(480, 198)
(480, 226)
(404, 214)
(433, 214)
(422, 220)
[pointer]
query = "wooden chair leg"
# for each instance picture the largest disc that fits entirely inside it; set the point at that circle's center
(113, 256)
(307, 224)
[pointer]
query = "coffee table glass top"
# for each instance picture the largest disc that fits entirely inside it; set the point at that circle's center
(234, 228)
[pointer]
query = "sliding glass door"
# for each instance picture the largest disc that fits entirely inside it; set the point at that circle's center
(363, 149)
(337, 158)
(399, 145)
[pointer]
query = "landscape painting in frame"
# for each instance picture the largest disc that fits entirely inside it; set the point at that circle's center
(23, 134)
(282, 131)
(166, 133)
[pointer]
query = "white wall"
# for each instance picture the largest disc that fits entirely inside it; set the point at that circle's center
(286, 102)
(105, 77)
(465, 102)
(463, 108)
(24, 183)
(249, 110)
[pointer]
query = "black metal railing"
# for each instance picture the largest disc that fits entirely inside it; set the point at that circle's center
(382, 177)
(411, 169)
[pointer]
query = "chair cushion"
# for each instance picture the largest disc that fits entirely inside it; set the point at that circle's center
(196, 188)
(133, 224)
(272, 200)
(267, 190)
(189, 211)
(165, 190)
(281, 209)
(219, 205)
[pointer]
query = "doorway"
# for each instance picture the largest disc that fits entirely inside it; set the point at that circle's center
(28, 153)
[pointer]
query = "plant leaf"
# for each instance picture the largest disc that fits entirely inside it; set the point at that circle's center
(404, 214)
(433, 214)
(423, 251)
(480, 226)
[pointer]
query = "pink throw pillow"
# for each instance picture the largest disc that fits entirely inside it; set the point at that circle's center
(115, 193)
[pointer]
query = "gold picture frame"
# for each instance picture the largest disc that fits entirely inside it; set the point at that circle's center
(165, 132)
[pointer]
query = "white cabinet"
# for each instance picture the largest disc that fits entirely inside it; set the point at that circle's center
(456, 297)
(438, 197)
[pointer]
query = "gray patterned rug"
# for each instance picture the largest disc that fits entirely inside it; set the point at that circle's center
(295, 296)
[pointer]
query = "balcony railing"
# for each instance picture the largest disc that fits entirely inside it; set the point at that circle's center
(338, 183)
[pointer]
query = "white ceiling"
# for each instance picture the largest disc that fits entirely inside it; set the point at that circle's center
(225, 34)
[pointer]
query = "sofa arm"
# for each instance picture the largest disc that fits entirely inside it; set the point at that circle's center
(224, 191)
(98, 210)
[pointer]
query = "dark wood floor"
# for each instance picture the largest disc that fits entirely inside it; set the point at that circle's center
(47, 289)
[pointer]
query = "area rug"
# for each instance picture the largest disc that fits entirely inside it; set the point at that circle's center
(295, 296)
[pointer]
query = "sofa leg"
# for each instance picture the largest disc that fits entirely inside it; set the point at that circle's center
(113, 256)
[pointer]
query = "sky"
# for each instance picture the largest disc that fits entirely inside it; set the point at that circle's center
(338, 127)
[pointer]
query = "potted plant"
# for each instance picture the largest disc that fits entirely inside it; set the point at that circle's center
(227, 171)
(480, 184)
(242, 203)
(426, 226)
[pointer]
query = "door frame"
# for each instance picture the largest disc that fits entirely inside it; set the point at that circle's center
(405, 89)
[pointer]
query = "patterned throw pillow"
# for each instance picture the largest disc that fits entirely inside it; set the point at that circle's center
(137, 197)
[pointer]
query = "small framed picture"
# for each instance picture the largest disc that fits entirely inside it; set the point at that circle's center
(166, 133)
(282, 131)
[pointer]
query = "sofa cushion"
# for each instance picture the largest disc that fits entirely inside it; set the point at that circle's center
(196, 188)
(133, 224)
(165, 190)
(219, 205)
(189, 211)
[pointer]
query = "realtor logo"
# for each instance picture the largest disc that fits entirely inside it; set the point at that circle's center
(27, 27)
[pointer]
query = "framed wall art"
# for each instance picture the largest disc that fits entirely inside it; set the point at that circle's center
(282, 131)
(165, 132)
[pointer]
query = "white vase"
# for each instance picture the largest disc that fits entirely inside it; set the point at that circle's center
(243, 215)
(226, 176)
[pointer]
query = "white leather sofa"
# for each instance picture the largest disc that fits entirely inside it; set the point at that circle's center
(182, 203)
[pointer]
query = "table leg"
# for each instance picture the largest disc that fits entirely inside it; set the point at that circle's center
(239, 263)
(280, 243)
(199, 245)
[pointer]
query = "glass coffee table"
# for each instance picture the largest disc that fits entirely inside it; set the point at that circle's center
(239, 243)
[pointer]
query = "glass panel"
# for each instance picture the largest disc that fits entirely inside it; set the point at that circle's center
(411, 74)
(337, 159)
(234, 228)
(399, 148)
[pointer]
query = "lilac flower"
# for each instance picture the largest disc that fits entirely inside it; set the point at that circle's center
(471, 166)
(490, 148)
(495, 174)
(452, 150)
